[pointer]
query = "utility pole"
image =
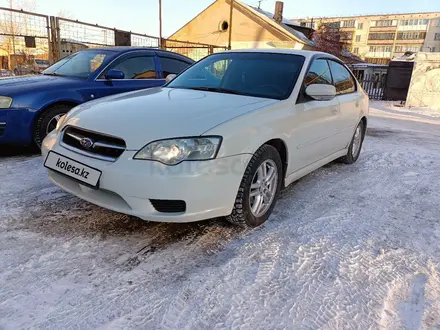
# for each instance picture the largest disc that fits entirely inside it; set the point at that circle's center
(160, 24)
(11, 5)
(230, 24)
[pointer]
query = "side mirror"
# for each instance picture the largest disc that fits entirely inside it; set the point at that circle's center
(321, 92)
(170, 77)
(114, 74)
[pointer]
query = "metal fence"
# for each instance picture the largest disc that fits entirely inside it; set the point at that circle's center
(373, 85)
(26, 37)
(193, 50)
(73, 35)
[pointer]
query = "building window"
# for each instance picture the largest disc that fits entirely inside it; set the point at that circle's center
(356, 50)
(334, 25)
(358, 38)
(414, 21)
(384, 22)
(346, 36)
(381, 36)
(437, 36)
(411, 35)
(223, 26)
(380, 49)
(308, 24)
(409, 48)
(348, 24)
(361, 25)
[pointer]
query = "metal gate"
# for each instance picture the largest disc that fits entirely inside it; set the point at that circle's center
(373, 85)
(24, 37)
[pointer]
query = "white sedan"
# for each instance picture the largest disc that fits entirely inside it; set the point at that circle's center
(221, 139)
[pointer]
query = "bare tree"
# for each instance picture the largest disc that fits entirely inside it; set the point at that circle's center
(330, 40)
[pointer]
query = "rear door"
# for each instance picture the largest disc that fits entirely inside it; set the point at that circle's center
(172, 64)
(315, 120)
(349, 98)
(140, 71)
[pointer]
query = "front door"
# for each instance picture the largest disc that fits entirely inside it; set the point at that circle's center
(140, 71)
(315, 122)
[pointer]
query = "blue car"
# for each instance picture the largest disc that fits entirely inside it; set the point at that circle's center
(31, 106)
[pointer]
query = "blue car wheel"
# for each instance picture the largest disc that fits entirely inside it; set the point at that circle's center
(48, 120)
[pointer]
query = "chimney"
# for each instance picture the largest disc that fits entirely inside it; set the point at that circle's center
(278, 16)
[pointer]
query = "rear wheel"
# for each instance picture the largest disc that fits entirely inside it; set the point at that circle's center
(355, 147)
(48, 121)
(259, 189)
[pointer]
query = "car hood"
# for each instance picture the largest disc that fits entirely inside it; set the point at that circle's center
(158, 113)
(19, 85)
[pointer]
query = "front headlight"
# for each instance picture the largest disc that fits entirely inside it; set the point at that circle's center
(5, 102)
(175, 151)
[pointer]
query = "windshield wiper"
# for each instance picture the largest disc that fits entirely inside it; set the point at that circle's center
(217, 90)
(53, 74)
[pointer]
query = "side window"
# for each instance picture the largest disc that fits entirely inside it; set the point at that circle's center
(319, 73)
(138, 67)
(343, 80)
(172, 66)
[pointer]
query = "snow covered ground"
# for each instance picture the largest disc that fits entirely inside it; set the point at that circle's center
(348, 247)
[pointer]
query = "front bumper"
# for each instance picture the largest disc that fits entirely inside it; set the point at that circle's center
(209, 188)
(16, 125)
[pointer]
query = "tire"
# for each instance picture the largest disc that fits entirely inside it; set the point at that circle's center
(242, 214)
(47, 119)
(353, 154)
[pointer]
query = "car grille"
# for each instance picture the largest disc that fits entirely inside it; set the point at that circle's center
(2, 128)
(168, 206)
(93, 144)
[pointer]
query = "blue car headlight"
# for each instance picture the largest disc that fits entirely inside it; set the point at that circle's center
(5, 102)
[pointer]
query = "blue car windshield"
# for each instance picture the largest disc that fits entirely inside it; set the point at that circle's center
(268, 75)
(78, 65)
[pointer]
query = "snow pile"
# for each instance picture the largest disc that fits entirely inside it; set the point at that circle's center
(399, 109)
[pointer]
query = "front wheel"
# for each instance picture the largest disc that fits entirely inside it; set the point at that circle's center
(48, 121)
(259, 189)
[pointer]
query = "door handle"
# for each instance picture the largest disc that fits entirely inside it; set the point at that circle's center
(334, 111)
(357, 103)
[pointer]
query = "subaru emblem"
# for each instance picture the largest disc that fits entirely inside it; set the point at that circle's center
(86, 142)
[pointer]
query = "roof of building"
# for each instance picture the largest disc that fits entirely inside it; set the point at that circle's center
(366, 15)
(285, 25)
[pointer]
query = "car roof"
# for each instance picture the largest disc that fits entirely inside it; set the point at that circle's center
(305, 53)
(126, 49)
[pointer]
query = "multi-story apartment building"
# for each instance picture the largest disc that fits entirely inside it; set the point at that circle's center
(379, 38)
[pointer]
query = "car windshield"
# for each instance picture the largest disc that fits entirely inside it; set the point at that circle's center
(268, 75)
(78, 65)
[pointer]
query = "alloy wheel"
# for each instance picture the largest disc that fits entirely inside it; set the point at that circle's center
(263, 188)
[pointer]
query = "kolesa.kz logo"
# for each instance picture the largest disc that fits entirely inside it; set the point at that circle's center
(73, 169)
